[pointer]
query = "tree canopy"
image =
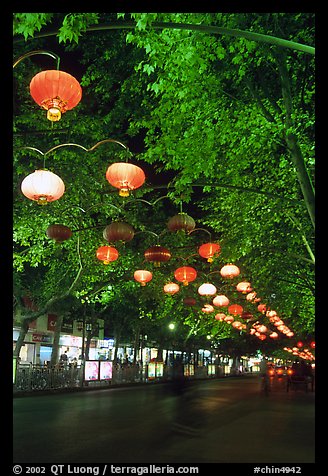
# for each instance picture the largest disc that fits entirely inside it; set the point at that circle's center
(218, 110)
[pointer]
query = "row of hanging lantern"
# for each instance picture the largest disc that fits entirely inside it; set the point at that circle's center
(57, 92)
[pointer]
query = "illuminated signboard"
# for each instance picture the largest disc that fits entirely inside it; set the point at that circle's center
(14, 369)
(159, 369)
(106, 370)
(91, 370)
(151, 370)
(188, 370)
(211, 369)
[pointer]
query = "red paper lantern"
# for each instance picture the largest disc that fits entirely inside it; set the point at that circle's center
(125, 177)
(229, 271)
(228, 319)
(56, 92)
(157, 254)
(185, 274)
(244, 287)
(221, 300)
(235, 309)
(143, 276)
(118, 231)
(171, 288)
(299, 344)
(207, 289)
(189, 301)
(220, 316)
(59, 233)
(262, 308)
(106, 254)
(246, 315)
(181, 221)
(43, 186)
(207, 308)
(209, 251)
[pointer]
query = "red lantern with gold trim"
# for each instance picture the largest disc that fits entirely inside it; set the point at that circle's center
(189, 301)
(56, 92)
(106, 254)
(181, 221)
(59, 233)
(244, 287)
(43, 186)
(125, 177)
(143, 276)
(209, 251)
(262, 308)
(235, 309)
(221, 301)
(118, 231)
(220, 316)
(185, 274)
(229, 271)
(157, 254)
(171, 288)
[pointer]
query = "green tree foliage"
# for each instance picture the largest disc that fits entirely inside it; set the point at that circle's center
(226, 123)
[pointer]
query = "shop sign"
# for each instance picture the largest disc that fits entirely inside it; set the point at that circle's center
(91, 370)
(41, 338)
(188, 370)
(70, 341)
(211, 369)
(106, 370)
(52, 320)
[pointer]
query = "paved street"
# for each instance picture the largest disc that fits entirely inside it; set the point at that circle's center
(236, 423)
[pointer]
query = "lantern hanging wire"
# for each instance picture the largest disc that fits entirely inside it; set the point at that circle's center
(38, 52)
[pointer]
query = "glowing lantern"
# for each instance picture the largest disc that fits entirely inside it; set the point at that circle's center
(237, 325)
(251, 296)
(262, 328)
(207, 308)
(262, 336)
(125, 177)
(229, 319)
(244, 287)
(207, 289)
(171, 288)
(229, 271)
(262, 308)
(299, 344)
(181, 221)
(271, 314)
(59, 233)
(221, 300)
(209, 251)
(220, 316)
(106, 254)
(118, 231)
(312, 345)
(185, 274)
(235, 309)
(56, 92)
(157, 254)
(143, 276)
(273, 335)
(43, 186)
(189, 301)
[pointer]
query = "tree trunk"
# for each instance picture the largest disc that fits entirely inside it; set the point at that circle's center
(55, 345)
(21, 337)
(292, 140)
